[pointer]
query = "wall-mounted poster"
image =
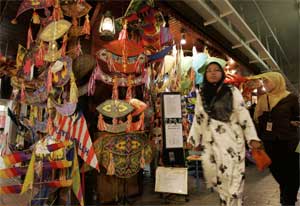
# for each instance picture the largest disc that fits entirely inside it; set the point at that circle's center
(171, 180)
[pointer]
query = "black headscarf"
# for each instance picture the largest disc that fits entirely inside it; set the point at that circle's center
(217, 97)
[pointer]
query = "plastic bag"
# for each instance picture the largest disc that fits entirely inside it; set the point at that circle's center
(262, 160)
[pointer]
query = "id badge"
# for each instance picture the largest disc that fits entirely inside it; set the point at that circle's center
(269, 126)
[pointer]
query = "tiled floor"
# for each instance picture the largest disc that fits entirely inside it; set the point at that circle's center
(260, 190)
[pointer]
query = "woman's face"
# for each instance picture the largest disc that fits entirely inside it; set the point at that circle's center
(213, 73)
(268, 84)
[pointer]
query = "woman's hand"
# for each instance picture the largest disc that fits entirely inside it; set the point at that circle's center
(255, 144)
(295, 123)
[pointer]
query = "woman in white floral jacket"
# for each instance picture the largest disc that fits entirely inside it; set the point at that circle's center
(221, 127)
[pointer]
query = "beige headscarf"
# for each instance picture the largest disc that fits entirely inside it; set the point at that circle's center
(277, 94)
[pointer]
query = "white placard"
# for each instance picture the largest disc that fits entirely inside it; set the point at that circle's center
(172, 106)
(171, 180)
(174, 137)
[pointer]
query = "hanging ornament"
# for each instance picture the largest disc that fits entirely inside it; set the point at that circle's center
(86, 26)
(27, 66)
(107, 26)
(73, 89)
(64, 45)
(29, 37)
(35, 18)
(39, 56)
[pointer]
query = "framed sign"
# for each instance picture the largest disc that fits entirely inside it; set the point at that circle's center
(171, 180)
(172, 105)
(173, 154)
(173, 135)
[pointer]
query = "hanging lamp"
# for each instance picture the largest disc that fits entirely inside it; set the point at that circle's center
(107, 26)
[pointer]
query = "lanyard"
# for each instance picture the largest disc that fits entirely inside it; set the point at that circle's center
(269, 110)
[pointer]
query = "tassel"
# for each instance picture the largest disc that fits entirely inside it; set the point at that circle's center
(115, 92)
(39, 57)
(110, 63)
(74, 22)
(57, 12)
(142, 160)
(123, 36)
(78, 49)
(49, 125)
(91, 85)
(29, 37)
(129, 123)
(115, 121)
(111, 165)
(31, 115)
(92, 80)
(129, 89)
(86, 26)
(124, 58)
(39, 168)
(101, 124)
(35, 18)
(64, 45)
(23, 92)
(27, 66)
(142, 120)
(49, 81)
(64, 72)
(55, 77)
(73, 90)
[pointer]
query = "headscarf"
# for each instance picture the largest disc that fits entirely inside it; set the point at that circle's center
(222, 106)
(210, 89)
(278, 93)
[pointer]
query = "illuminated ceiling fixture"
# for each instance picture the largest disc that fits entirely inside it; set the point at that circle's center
(107, 26)
(183, 39)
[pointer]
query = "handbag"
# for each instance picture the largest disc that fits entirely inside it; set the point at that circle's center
(262, 160)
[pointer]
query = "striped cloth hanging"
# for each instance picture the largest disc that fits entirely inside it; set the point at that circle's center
(18, 171)
(66, 127)
(16, 158)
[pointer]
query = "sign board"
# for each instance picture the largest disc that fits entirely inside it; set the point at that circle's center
(173, 153)
(171, 180)
(173, 135)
